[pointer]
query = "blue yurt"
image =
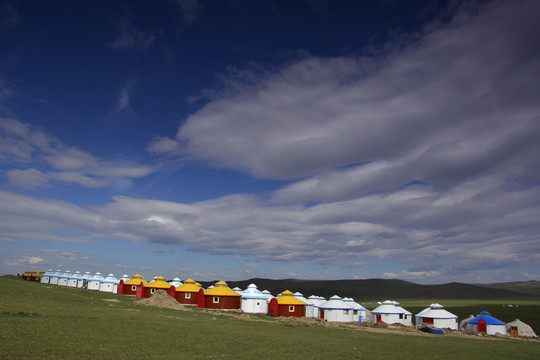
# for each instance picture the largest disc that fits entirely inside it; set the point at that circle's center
(485, 323)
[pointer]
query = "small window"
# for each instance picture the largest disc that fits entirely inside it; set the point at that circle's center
(152, 291)
(355, 312)
(188, 295)
(133, 288)
(345, 312)
(258, 303)
(291, 308)
(216, 299)
(401, 316)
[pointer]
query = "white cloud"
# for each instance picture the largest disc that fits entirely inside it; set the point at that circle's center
(22, 144)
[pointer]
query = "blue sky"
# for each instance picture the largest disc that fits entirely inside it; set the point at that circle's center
(235, 139)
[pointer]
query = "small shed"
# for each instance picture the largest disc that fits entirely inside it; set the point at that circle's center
(130, 286)
(519, 328)
(220, 297)
(485, 323)
(436, 315)
(390, 312)
(254, 301)
(286, 305)
(336, 310)
(188, 292)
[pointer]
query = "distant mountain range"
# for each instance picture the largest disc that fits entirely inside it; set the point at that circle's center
(382, 289)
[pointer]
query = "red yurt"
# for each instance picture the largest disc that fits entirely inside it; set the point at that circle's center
(159, 282)
(220, 297)
(188, 292)
(130, 286)
(287, 305)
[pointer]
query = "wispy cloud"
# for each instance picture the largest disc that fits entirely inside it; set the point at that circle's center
(190, 10)
(129, 37)
(37, 159)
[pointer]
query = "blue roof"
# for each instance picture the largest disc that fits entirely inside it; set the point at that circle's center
(490, 320)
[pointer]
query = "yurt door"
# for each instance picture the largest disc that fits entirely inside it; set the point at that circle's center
(482, 326)
(378, 318)
(513, 331)
(322, 314)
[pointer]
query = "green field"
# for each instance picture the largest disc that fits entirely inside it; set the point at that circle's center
(50, 322)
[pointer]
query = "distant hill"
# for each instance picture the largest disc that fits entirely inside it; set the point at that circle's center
(379, 289)
(527, 287)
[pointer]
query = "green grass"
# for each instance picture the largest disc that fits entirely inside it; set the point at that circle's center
(79, 324)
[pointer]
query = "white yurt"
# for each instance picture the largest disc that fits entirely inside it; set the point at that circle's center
(519, 328)
(175, 282)
(310, 306)
(63, 278)
(485, 323)
(46, 277)
(237, 290)
(53, 279)
(253, 300)
(359, 313)
(109, 284)
(73, 280)
(125, 278)
(463, 323)
(335, 309)
(95, 282)
(390, 312)
(316, 301)
(267, 294)
(87, 276)
(437, 316)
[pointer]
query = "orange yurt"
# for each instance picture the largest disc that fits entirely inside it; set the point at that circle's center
(221, 297)
(287, 305)
(159, 282)
(130, 286)
(188, 292)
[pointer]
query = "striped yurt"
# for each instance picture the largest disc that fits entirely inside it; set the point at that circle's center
(286, 305)
(109, 284)
(390, 312)
(46, 277)
(188, 292)
(436, 315)
(336, 310)
(63, 278)
(73, 280)
(220, 297)
(53, 278)
(254, 301)
(95, 282)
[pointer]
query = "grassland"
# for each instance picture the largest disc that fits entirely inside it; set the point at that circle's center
(40, 321)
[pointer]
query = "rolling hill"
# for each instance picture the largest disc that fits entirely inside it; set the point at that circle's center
(381, 289)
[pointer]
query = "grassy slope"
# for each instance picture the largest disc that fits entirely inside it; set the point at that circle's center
(75, 323)
(527, 287)
(379, 289)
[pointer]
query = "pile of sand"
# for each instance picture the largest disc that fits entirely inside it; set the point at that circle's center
(162, 299)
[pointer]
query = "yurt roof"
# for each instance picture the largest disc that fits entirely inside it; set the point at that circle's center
(158, 283)
(335, 302)
(253, 293)
(111, 279)
(176, 282)
(188, 286)
(354, 304)
(389, 307)
(490, 320)
(221, 289)
(301, 297)
(136, 281)
(287, 298)
(437, 313)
